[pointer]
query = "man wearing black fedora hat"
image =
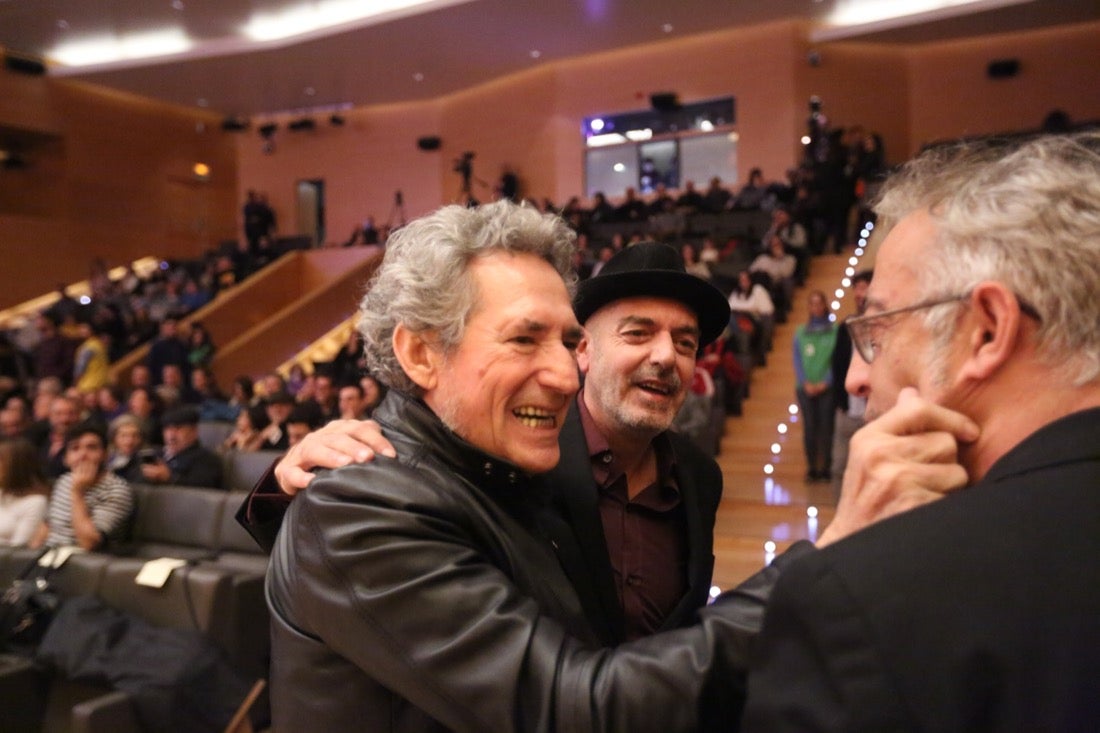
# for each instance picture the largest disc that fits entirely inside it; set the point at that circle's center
(634, 502)
(183, 461)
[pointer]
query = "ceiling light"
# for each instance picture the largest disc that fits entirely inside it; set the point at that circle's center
(536, 53)
(667, 28)
(308, 18)
(418, 76)
(854, 17)
(107, 49)
(597, 141)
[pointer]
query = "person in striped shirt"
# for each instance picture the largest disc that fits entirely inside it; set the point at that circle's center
(90, 505)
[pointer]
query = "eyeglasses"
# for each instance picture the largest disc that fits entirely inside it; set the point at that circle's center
(859, 327)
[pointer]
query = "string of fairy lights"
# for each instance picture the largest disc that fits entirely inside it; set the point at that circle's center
(774, 493)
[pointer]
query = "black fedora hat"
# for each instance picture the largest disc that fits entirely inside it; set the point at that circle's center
(654, 270)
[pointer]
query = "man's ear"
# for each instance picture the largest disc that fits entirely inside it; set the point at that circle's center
(993, 330)
(584, 358)
(419, 359)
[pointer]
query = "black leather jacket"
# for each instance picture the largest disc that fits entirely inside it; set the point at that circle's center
(419, 594)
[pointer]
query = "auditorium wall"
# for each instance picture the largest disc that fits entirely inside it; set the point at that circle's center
(107, 175)
(115, 175)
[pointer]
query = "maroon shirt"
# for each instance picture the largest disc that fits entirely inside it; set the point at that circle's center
(646, 536)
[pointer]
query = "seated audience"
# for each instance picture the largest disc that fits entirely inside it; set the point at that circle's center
(184, 461)
(24, 492)
(89, 506)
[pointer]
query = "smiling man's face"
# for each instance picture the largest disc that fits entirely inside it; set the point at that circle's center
(506, 388)
(638, 357)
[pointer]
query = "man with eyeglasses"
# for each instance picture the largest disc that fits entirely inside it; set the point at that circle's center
(979, 356)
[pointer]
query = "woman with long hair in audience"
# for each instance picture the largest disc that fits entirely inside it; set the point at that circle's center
(24, 492)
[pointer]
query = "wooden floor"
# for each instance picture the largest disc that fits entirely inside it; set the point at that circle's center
(758, 507)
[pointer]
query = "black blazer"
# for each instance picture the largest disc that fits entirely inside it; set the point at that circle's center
(979, 612)
(577, 532)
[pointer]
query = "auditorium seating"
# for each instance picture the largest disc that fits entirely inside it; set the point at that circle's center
(219, 592)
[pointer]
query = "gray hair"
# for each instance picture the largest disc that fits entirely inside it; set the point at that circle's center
(1024, 213)
(423, 281)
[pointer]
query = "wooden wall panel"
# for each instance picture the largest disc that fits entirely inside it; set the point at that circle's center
(114, 181)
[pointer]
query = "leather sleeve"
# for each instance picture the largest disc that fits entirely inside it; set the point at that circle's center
(426, 598)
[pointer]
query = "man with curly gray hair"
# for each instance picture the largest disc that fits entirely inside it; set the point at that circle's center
(979, 355)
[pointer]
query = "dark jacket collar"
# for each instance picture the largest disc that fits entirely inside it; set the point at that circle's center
(1077, 436)
(413, 419)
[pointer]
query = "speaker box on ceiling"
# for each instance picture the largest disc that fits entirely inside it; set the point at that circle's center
(664, 101)
(1003, 68)
(24, 64)
(429, 142)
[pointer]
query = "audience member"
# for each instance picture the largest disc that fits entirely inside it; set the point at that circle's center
(979, 356)
(752, 317)
(89, 506)
(278, 407)
(247, 435)
(751, 195)
(242, 394)
(200, 346)
(91, 365)
(184, 461)
(125, 448)
(207, 396)
(813, 346)
(167, 348)
(795, 242)
(301, 421)
(717, 198)
(142, 403)
(24, 492)
(373, 392)
(13, 423)
(351, 402)
(632, 208)
(347, 365)
(64, 413)
(53, 355)
(779, 267)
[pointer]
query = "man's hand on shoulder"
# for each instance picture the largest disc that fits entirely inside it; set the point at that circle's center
(337, 444)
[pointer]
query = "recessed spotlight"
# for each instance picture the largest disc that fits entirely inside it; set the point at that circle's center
(202, 102)
(418, 76)
(63, 24)
(177, 4)
(667, 28)
(309, 91)
(535, 53)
